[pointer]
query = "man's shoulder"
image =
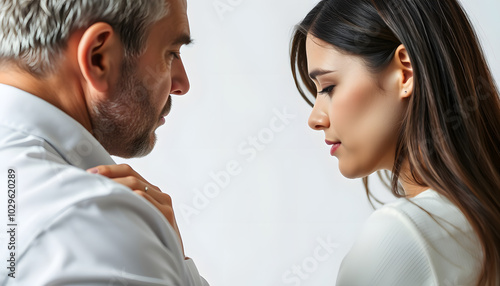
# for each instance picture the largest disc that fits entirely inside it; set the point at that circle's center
(64, 210)
(95, 223)
(48, 188)
(51, 181)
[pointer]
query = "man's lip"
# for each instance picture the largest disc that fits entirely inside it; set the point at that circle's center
(332, 142)
(164, 114)
(162, 121)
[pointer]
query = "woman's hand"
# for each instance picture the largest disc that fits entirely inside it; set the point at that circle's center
(125, 175)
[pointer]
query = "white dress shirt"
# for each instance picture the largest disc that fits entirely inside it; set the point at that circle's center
(401, 245)
(76, 228)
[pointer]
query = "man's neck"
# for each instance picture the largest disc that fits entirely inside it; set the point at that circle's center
(58, 90)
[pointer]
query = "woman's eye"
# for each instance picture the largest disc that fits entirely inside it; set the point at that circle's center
(327, 90)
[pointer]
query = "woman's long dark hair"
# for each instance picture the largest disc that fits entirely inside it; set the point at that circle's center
(450, 135)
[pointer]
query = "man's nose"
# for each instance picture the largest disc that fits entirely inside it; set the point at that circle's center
(180, 81)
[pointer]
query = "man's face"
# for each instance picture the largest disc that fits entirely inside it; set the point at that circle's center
(125, 124)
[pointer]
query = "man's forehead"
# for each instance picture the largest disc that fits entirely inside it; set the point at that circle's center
(180, 35)
(180, 4)
(175, 25)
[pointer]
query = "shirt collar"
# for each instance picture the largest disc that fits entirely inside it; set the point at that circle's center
(32, 115)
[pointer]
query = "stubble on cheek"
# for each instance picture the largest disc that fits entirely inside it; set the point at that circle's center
(125, 125)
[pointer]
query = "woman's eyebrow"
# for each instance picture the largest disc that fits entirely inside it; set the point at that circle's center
(318, 72)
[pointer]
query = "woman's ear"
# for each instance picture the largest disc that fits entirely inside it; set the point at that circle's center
(404, 65)
(99, 56)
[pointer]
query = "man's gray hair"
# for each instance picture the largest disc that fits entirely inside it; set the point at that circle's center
(33, 33)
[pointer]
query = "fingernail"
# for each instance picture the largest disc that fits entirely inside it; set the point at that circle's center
(93, 171)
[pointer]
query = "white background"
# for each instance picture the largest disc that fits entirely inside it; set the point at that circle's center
(288, 194)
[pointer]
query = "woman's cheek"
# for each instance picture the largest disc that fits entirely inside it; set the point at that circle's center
(349, 111)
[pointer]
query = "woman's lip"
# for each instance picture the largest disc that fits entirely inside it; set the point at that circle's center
(331, 142)
(335, 146)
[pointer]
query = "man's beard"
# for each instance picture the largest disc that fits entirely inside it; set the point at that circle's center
(125, 123)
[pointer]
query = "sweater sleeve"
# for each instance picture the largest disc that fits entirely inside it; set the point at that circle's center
(389, 251)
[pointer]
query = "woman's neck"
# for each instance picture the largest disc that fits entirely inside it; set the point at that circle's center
(406, 179)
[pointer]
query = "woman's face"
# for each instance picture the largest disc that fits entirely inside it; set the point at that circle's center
(357, 109)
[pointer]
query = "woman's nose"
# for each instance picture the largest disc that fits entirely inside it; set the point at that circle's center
(318, 120)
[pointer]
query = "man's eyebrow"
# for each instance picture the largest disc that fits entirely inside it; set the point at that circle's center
(315, 73)
(184, 39)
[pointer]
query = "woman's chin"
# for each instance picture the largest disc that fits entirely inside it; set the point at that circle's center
(351, 172)
(350, 176)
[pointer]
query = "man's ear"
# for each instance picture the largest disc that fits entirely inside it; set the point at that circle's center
(100, 53)
(405, 68)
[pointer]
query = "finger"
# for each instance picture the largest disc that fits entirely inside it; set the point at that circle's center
(166, 210)
(138, 185)
(115, 171)
(133, 183)
(123, 171)
(159, 196)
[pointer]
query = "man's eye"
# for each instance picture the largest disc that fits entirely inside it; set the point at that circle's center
(176, 55)
(173, 56)
(327, 90)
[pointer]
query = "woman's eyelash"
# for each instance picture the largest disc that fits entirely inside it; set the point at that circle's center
(327, 90)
